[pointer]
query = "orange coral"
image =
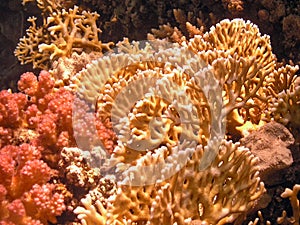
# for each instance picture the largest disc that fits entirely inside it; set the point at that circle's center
(62, 33)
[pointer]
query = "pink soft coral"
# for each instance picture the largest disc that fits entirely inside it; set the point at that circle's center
(11, 113)
(26, 194)
(21, 168)
(24, 176)
(49, 111)
(42, 202)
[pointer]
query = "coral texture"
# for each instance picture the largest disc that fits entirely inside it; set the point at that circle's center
(244, 64)
(26, 197)
(155, 86)
(217, 195)
(284, 219)
(284, 96)
(67, 31)
(151, 116)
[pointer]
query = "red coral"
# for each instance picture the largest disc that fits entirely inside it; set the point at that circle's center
(61, 104)
(33, 172)
(47, 129)
(106, 135)
(16, 211)
(26, 197)
(3, 202)
(24, 174)
(11, 108)
(6, 135)
(21, 168)
(46, 83)
(50, 111)
(63, 140)
(28, 84)
(89, 130)
(41, 202)
(7, 167)
(16, 215)
(36, 88)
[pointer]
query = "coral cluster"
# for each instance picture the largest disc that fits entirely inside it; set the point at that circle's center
(284, 96)
(217, 195)
(145, 135)
(254, 83)
(35, 126)
(26, 197)
(147, 94)
(284, 219)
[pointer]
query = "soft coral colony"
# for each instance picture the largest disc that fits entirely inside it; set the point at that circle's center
(45, 174)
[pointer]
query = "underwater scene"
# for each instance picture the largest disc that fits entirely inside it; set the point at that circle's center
(150, 112)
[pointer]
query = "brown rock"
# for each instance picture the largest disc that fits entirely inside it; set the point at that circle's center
(270, 144)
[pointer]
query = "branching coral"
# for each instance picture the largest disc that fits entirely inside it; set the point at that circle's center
(292, 195)
(64, 68)
(284, 219)
(175, 34)
(243, 62)
(284, 96)
(243, 59)
(70, 30)
(161, 113)
(154, 90)
(63, 32)
(217, 195)
(159, 116)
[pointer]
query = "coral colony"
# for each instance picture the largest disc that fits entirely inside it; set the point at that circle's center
(153, 132)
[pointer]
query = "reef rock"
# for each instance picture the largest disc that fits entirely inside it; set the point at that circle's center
(270, 144)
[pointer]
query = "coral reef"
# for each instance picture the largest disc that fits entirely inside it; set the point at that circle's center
(154, 132)
(136, 128)
(134, 19)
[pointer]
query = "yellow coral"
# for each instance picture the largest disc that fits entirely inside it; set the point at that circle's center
(62, 33)
(161, 113)
(243, 62)
(241, 59)
(283, 88)
(70, 30)
(153, 99)
(217, 195)
(27, 50)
